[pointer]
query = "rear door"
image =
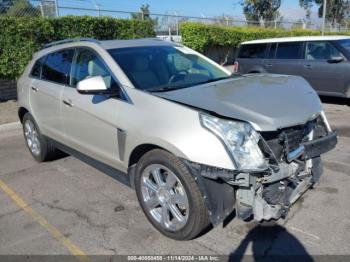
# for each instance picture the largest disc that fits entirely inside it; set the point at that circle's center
(323, 76)
(284, 58)
(250, 58)
(50, 75)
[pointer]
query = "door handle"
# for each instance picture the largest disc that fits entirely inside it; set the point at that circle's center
(269, 65)
(68, 102)
(308, 66)
(35, 89)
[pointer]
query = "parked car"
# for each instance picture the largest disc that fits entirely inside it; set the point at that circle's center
(194, 141)
(322, 60)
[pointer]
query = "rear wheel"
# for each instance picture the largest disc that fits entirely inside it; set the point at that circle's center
(169, 196)
(39, 146)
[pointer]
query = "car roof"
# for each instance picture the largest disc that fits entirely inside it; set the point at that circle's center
(297, 39)
(105, 44)
(111, 44)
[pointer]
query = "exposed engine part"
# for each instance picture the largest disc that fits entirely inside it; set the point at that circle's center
(272, 195)
(285, 170)
(245, 202)
(300, 189)
(296, 153)
(242, 180)
(277, 193)
(264, 211)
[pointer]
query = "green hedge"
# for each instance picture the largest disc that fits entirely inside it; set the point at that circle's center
(21, 37)
(200, 36)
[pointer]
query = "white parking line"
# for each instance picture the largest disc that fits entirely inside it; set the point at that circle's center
(305, 233)
(55, 233)
(10, 126)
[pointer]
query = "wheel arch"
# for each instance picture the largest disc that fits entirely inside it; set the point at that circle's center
(21, 112)
(139, 151)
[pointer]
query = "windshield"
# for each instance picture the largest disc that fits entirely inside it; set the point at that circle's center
(164, 68)
(345, 44)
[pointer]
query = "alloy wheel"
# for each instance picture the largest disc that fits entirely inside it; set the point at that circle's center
(164, 197)
(32, 138)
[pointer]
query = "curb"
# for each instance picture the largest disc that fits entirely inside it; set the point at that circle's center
(10, 126)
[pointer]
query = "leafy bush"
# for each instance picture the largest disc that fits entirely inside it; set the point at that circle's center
(201, 36)
(21, 37)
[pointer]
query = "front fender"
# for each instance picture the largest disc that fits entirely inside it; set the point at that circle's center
(173, 127)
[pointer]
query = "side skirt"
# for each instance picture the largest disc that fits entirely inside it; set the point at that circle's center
(104, 168)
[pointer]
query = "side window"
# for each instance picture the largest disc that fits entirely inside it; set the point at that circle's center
(272, 51)
(253, 51)
(289, 50)
(320, 51)
(57, 66)
(89, 64)
(36, 70)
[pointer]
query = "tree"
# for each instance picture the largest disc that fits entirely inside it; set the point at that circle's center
(224, 19)
(337, 10)
(307, 5)
(22, 8)
(144, 15)
(258, 11)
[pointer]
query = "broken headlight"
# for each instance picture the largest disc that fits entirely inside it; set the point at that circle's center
(240, 140)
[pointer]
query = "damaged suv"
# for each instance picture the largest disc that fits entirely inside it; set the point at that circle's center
(194, 141)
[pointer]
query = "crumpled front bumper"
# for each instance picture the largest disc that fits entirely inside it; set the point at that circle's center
(315, 148)
(219, 186)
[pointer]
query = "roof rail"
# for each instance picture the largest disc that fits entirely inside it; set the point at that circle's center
(71, 40)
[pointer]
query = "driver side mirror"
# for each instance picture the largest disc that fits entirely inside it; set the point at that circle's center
(335, 59)
(92, 85)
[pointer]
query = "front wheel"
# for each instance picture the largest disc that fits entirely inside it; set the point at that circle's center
(169, 196)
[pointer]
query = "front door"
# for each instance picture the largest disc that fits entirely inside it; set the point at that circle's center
(323, 76)
(90, 121)
(284, 58)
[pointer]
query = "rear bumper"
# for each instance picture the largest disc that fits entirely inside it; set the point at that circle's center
(320, 146)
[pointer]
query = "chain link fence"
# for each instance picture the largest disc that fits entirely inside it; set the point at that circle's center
(167, 24)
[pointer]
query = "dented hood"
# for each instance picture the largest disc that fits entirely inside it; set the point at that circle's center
(268, 102)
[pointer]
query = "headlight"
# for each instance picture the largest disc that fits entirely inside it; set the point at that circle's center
(240, 139)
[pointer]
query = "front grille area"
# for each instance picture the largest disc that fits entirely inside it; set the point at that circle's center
(292, 137)
(288, 139)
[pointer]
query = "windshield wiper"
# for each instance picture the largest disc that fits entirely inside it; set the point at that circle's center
(164, 89)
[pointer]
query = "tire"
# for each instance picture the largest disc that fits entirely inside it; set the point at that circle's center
(172, 171)
(45, 150)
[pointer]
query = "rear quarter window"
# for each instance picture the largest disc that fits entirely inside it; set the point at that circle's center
(36, 69)
(252, 51)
